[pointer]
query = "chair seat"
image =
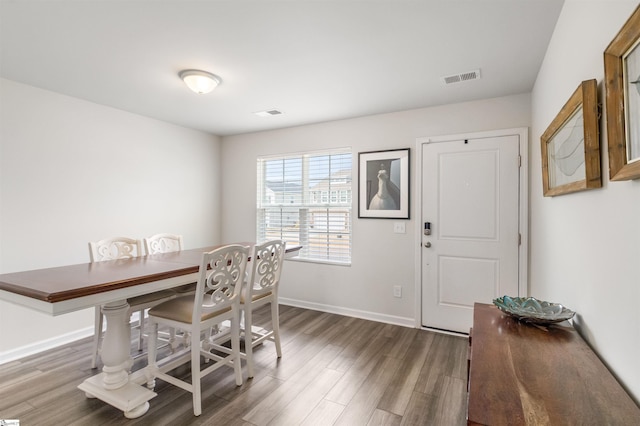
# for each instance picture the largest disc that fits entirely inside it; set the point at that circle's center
(181, 309)
(254, 297)
(145, 299)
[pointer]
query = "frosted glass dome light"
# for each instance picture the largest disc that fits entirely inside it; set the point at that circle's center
(200, 82)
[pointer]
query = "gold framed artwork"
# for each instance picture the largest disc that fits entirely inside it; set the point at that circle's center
(571, 145)
(622, 100)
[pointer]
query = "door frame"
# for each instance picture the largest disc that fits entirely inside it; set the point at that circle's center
(523, 214)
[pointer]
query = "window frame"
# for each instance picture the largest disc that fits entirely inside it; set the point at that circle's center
(312, 202)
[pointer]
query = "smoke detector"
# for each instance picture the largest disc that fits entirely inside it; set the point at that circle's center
(463, 76)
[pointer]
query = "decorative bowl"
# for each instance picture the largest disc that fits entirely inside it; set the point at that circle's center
(530, 309)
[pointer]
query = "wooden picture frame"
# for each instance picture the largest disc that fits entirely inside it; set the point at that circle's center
(383, 184)
(571, 147)
(622, 100)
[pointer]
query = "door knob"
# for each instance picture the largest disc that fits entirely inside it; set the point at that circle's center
(427, 244)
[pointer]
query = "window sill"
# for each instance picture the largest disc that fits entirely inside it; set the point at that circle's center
(323, 262)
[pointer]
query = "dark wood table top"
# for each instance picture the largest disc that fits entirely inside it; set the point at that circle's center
(74, 281)
(522, 375)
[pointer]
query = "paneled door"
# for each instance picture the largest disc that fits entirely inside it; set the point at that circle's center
(470, 223)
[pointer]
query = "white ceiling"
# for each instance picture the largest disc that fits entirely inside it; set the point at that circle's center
(313, 60)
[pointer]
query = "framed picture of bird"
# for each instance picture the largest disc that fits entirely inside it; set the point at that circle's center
(622, 100)
(383, 184)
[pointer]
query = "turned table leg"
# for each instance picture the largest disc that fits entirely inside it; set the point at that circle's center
(113, 385)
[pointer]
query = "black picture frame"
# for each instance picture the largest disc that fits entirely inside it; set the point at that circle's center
(383, 184)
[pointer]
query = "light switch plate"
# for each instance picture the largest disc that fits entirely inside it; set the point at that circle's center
(399, 227)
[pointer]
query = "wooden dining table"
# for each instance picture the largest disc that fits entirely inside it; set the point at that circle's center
(64, 289)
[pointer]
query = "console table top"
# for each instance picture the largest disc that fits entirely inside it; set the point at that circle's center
(521, 374)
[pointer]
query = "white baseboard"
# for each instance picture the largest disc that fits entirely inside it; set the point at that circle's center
(441, 331)
(372, 316)
(44, 345)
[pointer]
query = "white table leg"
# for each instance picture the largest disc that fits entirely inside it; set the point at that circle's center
(115, 346)
(113, 385)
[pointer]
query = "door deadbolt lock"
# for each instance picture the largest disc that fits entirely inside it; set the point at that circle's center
(427, 244)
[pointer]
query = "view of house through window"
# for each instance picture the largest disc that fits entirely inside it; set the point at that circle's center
(306, 199)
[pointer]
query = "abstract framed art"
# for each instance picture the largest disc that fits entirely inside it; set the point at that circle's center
(570, 146)
(622, 100)
(383, 184)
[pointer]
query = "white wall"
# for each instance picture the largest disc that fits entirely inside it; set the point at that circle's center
(73, 171)
(585, 247)
(381, 258)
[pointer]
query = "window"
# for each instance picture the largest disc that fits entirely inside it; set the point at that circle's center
(298, 202)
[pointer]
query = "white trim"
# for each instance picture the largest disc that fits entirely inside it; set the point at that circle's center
(355, 313)
(318, 261)
(54, 342)
(447, 332)
(45, 345)
(523, 255)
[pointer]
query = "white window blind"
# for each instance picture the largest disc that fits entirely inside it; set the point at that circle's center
(306, 199)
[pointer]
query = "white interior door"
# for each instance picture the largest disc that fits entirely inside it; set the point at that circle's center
(470, 198)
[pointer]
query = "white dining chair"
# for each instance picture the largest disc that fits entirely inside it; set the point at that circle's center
(261, 288)
(167, 243)
(163, 243)
(216, 299)
(122, 248)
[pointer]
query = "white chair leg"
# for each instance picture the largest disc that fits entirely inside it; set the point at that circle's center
(207, 342)
(195, 374)
(172, 340)
(275, 323)
(248, 340)
(152, 346)
(235, 348)
(140, 329)
(97, 335)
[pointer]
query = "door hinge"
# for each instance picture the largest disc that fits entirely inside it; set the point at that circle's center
(519, 161)
(519, 239)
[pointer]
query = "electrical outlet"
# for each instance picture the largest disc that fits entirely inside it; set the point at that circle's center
(397, 291)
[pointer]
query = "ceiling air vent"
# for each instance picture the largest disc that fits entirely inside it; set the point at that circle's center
(465, 76)
(268, 113)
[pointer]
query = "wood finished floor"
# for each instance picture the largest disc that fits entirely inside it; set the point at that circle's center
(335, 370)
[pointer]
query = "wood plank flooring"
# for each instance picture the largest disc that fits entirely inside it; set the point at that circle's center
(335, 370)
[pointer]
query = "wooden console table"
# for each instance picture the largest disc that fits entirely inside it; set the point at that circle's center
(521, 374)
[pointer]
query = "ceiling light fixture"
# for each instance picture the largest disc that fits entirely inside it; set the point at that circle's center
(200, 82)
